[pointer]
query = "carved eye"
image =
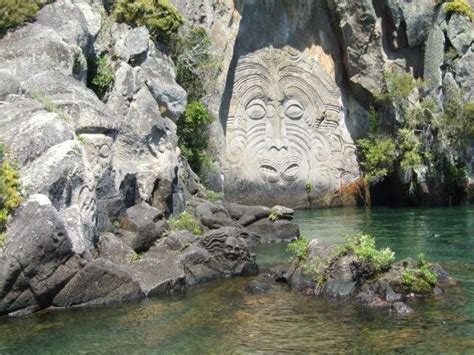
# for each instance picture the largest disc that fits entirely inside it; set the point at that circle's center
(294, 110)
(256, 109)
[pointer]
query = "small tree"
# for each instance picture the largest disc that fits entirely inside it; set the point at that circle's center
(193, 141)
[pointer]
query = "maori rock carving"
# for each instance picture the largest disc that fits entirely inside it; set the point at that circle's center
(229, 250)
(284, 123)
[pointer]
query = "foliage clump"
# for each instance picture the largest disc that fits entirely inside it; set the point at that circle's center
(214, 196)
(420, 279)
(196, 63)
(16, 12)
(299, 248)
(185, 221)
(103, 76)
(377, 156)
(460, 7)
(193, 141)
(363, 246)
(160, 17)
(426, 138)
(10, 196)
(132, 257)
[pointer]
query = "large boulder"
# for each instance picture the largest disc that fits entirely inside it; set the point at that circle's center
(115, 249)
(39, 258)
(146, 224)
(101, 282)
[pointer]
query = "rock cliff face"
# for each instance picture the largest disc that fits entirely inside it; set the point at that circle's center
(292, 97)
(299, 77)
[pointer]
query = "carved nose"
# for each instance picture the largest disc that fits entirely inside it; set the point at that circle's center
(277, 129)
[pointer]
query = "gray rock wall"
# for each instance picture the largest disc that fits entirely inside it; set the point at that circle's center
(321, 62)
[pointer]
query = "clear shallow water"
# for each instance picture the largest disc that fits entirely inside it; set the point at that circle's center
(221, 317)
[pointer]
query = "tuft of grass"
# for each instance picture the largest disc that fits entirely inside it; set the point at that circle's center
(132, 257)
(274, 216)
(185, 221)
(214, 196)
(49, 105)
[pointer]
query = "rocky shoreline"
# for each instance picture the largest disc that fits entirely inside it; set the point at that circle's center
(41, 269)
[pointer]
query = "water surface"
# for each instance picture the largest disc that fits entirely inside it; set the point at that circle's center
(222, 317)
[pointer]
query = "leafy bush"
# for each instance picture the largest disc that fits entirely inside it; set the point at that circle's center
(363, 246)
(159, 16)
(10, 197)
(185, 221)
(103, 76)
(409, 146)
(420, 279)
(17, 12)
(196, 65)
(377, 156)
(459, 6)
(299, 248)
(398, 86)
(193, 141)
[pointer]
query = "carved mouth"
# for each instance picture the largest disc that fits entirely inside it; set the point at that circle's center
(231, 256)
(284, 169)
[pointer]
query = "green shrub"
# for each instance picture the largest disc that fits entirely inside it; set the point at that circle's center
(193, 140)
(409, 146)
(420, 279)
(214, 196)
(17, 12)
(159, 16)
(104, 76)
(10, 197)
(196, 65)
(377, 156)
(185, 221)
(363, 246)
(398, 86)
(299, 248)
(459, 6)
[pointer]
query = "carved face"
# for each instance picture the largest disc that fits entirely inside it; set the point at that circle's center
(278, 104)
(233, 249)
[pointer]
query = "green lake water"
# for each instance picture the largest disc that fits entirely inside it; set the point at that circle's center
(222, 317)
